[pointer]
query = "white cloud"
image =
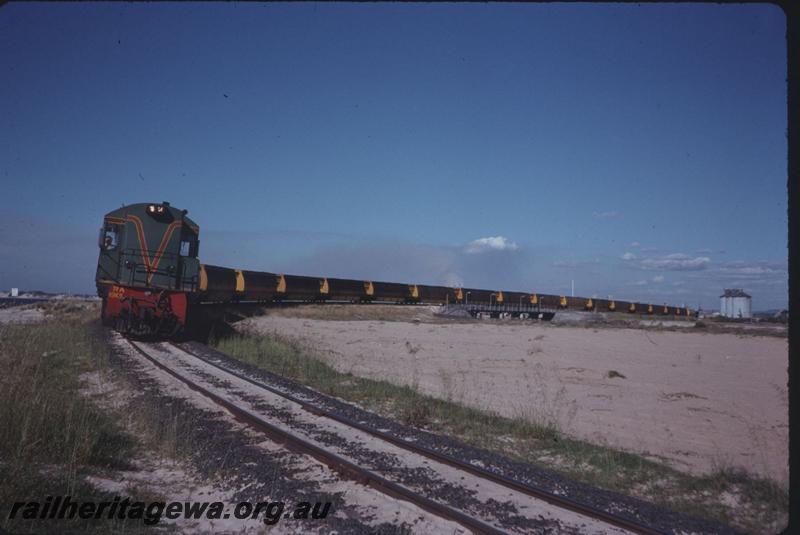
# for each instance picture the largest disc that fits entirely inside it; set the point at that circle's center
(492, 243)
(742, 273)
(606, 215)
(658, 278)
(671, 262)
(745, 269)
(634, 244)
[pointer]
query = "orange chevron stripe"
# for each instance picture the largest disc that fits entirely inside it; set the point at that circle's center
(142, 242)
(151, 264)
(164, 241)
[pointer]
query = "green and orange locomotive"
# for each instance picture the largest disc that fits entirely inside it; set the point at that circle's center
(147, 268)
(152, 283)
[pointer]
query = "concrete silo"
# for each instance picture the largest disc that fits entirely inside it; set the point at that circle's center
(734, 303)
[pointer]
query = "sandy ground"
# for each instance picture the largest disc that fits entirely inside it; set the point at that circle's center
(695, 400)
(21, 314)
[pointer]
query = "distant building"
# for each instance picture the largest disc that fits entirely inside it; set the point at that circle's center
(734, 303)
(14, 292)
(782, 316)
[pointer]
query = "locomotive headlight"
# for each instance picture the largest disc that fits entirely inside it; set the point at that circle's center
(155, 209)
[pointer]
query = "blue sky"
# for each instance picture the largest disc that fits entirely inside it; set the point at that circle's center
(639, 150)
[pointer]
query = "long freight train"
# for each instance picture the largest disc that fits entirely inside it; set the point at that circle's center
(150, 280)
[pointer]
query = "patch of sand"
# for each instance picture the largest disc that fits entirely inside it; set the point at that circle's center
(21, 314)
(697, 401)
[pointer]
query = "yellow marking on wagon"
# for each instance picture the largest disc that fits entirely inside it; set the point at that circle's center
(239, 281)
(203, 285)
(281, 286)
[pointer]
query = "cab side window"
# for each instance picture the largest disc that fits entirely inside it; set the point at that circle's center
(188, 244)
(109, 237)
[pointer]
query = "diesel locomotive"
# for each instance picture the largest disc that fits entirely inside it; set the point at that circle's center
(151, 281)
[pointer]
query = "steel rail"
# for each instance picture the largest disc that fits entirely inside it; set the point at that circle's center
(531, 490)
(332, 460)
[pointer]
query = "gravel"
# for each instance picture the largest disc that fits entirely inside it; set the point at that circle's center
(224, 454)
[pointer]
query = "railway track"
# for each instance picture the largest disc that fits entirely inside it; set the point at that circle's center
(305, 428)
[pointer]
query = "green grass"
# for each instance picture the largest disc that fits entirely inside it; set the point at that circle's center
(762, 506)
(52, 435)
